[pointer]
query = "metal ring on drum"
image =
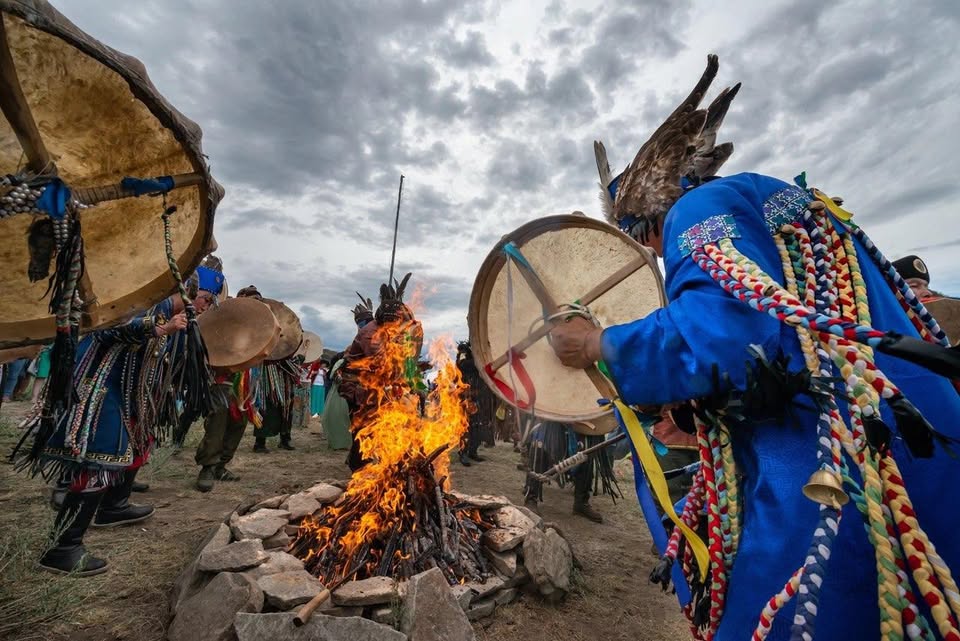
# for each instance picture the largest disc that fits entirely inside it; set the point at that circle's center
(537, 272)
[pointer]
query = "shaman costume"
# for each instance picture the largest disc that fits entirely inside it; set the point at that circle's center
(361, 399)
(481, 400)
(278, 382)
(774, 293)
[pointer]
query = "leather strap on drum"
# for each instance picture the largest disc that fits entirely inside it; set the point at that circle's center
(648, 459)
(515, 362)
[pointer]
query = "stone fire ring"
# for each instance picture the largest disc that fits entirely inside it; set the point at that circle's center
(243, 586)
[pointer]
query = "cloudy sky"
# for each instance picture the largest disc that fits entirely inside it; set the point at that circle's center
(311, 110)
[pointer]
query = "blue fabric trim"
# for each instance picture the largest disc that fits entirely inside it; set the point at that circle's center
(648, 507)
(707, 231)
(511, 250)
(54, 199)
(210, 280)
(785, 207)
(142, 186)
(613, 186)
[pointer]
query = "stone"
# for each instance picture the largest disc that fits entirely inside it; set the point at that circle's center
(482, 501)
(491, 585)
(464, 595)
(533, 516)
(431, 612)
(503, 597)
(548, 558)
(192, 579)
(384, 615)
(280, 540)
(501, 539)
(510, 516)
(291, 530)
(277, 562)
(323, 493)
(261, 524)
(343, 611)
(372, 591)
(300, 505)
(504, 562)
(520, 578)
(481, 609)
(209, 614)
(271, 504)
(320, 627)
(286, 590)
(233, 557)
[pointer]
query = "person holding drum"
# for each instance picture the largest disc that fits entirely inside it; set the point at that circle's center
(99, 445)
(803, 410)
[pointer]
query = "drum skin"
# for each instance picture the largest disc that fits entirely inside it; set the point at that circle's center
(575, 258)
(239, 333)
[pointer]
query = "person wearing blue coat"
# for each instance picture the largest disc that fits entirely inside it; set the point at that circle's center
(821, 394)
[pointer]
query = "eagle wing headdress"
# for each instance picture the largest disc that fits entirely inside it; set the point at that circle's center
(363, 310)
(682, 149)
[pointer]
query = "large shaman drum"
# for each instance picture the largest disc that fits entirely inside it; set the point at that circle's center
(239, 333)
(291, 333)
(536, 271)
(946, 311)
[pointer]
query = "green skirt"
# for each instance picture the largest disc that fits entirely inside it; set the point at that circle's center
(336, 420)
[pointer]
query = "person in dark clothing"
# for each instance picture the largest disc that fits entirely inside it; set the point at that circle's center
(480, 415)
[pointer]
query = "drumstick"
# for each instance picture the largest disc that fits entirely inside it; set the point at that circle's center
(304, 613)
(599, 290)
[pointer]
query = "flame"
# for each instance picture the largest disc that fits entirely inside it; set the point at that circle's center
(394, 437)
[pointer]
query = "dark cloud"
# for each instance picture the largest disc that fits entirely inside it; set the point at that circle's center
(470, 52)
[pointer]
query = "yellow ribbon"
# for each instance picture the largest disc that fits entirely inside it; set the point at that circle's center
(651, 466)
(838, 212)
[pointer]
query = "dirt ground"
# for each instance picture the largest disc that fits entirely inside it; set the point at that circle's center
(613, 600)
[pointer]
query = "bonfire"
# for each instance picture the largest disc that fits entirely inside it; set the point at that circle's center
(397, 517)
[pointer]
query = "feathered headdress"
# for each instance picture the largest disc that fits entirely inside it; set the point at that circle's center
(363, 312)
(391, 301)
(680, 154)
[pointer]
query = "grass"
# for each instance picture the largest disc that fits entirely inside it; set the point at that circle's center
(30, 598)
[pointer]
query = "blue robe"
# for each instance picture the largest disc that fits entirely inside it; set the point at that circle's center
(668, 356)
(109, 449)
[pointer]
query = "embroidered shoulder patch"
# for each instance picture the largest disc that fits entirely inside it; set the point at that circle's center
(707, 231)
(785, 207)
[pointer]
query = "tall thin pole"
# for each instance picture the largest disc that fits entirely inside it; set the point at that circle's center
(396, 227)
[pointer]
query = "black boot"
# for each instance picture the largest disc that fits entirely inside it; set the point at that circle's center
(464, 461)
(57, 495)
(260, 446)
(67, 554)
(140, 487)
(285, 444)
(116, 508)
(476, 457)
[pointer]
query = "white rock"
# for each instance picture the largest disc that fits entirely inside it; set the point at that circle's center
(270, 504)
(300, 505)
(261, 524)
(323, 493)
(504, 562)
(277, 561)
(372, 591)
(279, 626)
(501, 539)
(233, 557)
(431, 612)
(510, 516)
(289, 589)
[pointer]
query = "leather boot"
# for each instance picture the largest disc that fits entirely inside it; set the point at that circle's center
(221, 473)
(260, 446)
(58, 494)
(205, 480)
(140, 487)
(116, 508)
(67, 554)
(584, 510)
(581, 494)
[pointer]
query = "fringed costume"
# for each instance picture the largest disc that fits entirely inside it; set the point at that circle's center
(824, 472)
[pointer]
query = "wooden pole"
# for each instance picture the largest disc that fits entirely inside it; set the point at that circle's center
(17, 112)
(396, 227)
(95, 195)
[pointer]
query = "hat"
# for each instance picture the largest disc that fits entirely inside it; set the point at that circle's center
(391, 302)
(363, 312)
(210, 280)
(681, 153)
(250, 291)
(912, 267)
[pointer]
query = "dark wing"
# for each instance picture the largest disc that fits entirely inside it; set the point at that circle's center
(709, 156)
(651, 184)
(606, 176)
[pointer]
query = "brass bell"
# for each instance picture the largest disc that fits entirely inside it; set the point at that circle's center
(826, 488)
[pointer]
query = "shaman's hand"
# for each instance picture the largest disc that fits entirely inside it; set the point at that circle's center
(173, 325)
(576, 342)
